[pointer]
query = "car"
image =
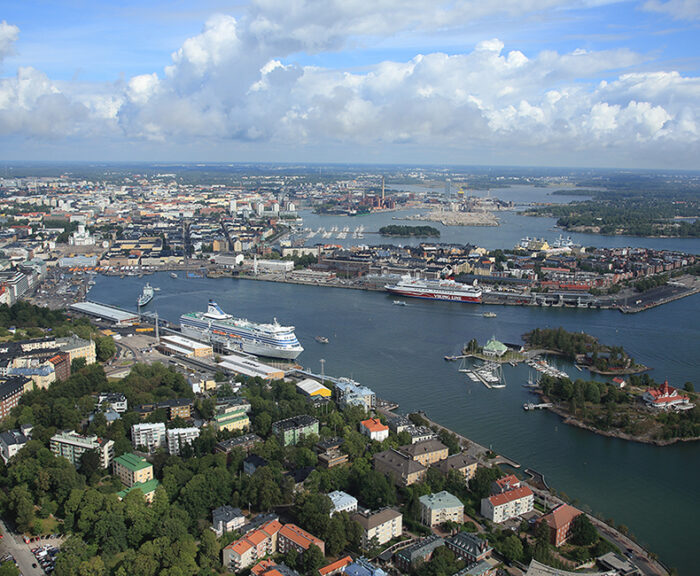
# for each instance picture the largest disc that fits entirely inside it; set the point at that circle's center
(33, 564)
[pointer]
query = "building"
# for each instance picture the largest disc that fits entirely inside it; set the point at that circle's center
(72, 446)
(132, 469)
(173, 344)
(11, 391)
(559, 522)
(538, 569)
(252, 463)
(379, 527)
(312, 388)
(427, 452)
(505, 484)
(495, 348)
(176, 438)
(363, 567)
(78, 348)
(469, 547)
(501, 507)
(148, 436)
(374, 428)
(342, 502)
(621, 565)
(291, 430)
(247, 366)
(148, 489)
(255, 545)
(337, 567)
(421, 551)
(350, 393)
(11, 442)
(481, 568)
(461, 463)
(245, 443)
(292, 537)
(232, 416)
(114, 400)
(665, 396)
(439, 508)
(177, 408)
(403, 469)
(226, 519)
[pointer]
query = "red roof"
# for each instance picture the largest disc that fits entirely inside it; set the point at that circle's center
(262, 567)
(342, 563)
(665, 393)
(510, 496)
(508, 482)
(561, 516)
(300, 537)
(374, 425)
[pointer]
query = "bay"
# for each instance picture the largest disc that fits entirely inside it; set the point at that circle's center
(398, 351)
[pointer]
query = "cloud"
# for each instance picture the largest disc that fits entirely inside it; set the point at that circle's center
(8, 36)
(677, 9)
(237, 82)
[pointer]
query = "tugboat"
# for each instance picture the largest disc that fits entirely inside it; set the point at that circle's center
(146, 295)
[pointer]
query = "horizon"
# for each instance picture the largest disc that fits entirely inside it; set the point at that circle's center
(566, 84)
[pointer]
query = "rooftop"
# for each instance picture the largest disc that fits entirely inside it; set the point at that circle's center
(132, 462)
(510, 496)
(440, 500)
(561, 516)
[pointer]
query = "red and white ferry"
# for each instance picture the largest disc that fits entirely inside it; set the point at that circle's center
(436, 290)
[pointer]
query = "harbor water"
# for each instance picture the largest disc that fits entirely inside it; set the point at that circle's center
(398, 351)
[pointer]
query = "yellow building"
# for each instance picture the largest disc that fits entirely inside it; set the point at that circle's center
(232, 417)
(132, 469)
(312, 388)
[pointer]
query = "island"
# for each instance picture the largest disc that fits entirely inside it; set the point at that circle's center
(583, 349)
(407, 231)
(639, 410)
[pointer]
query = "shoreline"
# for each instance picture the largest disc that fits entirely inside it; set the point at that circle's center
(573, 421)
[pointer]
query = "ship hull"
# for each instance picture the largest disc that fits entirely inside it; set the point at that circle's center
(240, 343)
(431, 295)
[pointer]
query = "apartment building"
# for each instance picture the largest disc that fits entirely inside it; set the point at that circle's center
(501, 507)
(176, 438)
(149, 436)
(379, 527)
(72, 446)
(291, 430)
(132, 469)
(439, 508)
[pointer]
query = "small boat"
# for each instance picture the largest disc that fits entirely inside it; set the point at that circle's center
(173, 275)
(450, 358)
(399, 303)
(321, 339)
(489, 314)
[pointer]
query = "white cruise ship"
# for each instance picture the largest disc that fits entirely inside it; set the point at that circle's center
(238, 334)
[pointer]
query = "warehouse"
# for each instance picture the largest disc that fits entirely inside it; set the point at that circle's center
(172, 344)
(247, 366)
(114, 315)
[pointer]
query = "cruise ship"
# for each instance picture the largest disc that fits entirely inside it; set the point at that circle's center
(238, 334)
(436, 290)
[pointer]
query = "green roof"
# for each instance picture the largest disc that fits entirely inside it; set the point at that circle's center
(132, 462)
(494, 345)
(145, 487)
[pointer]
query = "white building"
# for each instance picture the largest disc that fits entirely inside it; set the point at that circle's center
(178, 437)
(11, 442)
(81, 237)
(374, 428)
(439, 508)
(379, 527)
(342, 502)
(150, 436)
(501, 507)
(115, 400)
(72, 446)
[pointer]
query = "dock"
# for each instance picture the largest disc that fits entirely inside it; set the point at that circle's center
(533, 406)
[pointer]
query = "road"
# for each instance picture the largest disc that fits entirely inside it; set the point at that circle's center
(14, 544)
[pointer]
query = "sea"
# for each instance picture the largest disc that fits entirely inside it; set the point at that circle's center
(399, 352)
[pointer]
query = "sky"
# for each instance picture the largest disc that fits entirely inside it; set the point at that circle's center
(580, 83)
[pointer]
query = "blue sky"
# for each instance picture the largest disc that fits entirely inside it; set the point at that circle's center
(545, 82)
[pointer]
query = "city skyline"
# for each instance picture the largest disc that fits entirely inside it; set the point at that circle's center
(547, 82)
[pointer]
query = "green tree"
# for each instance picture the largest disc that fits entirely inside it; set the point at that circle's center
(583, 533)
(512, 548)
(209, 551)
(312, 560)
(105, 348)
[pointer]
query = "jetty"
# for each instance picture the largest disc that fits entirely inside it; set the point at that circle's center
(540, 406)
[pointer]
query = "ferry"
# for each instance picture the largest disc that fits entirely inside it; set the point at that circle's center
(436, 290)
(239, 334)
(146, 295)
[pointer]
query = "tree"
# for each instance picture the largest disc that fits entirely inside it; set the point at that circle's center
(583, 533)
(77, 365)
(312, 559)
(105, 348)
(209, 551)
(8, 569)
(512, 548)
(480, 484)
(90, 465)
